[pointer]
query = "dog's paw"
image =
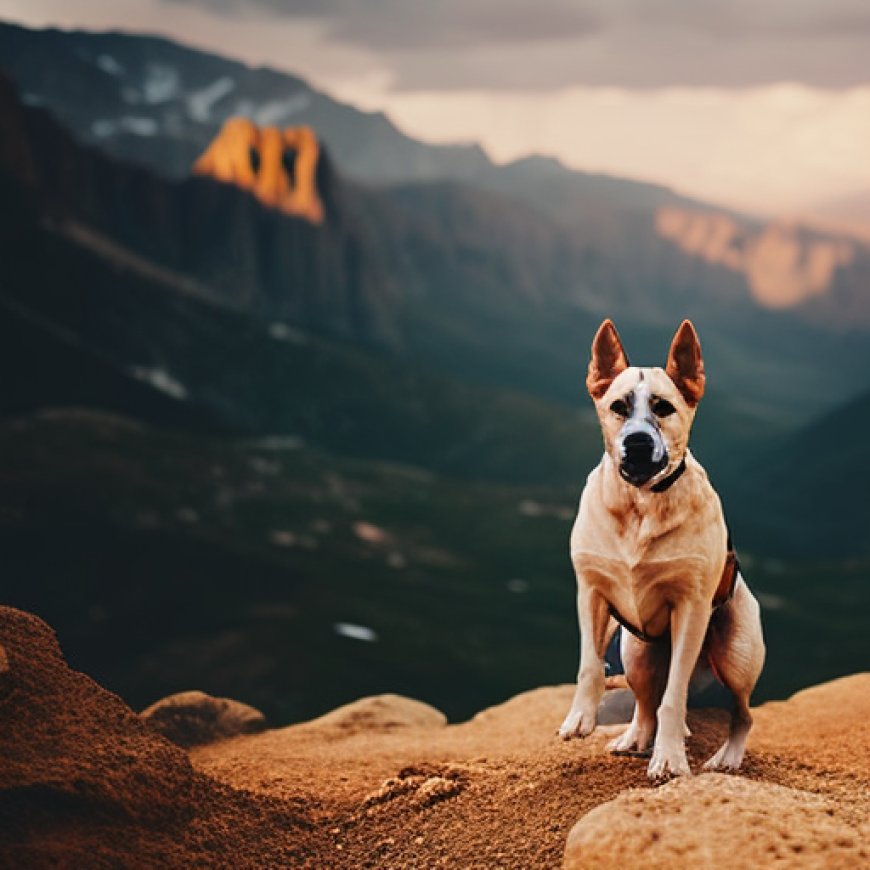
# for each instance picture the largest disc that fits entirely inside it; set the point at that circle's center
(668, 761)
(577, 724)
(729, 757)
(632, 741)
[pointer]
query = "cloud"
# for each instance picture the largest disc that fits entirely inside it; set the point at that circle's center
(639, 44)
(768, 149)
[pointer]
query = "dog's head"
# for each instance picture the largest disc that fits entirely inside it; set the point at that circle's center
(646, 413)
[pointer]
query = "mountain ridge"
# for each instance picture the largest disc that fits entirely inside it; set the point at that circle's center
(155, 102)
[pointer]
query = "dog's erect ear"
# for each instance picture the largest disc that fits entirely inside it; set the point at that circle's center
(608, 360)
(685, 365)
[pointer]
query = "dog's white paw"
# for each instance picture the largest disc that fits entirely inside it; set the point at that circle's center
(729, 757)
(668, 761)
(577, 724)
(632, 740)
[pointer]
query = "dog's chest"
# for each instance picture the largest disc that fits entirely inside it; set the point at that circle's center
(635, 568)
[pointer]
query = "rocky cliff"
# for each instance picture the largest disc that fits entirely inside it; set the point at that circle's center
(783, 263)
(278, 166)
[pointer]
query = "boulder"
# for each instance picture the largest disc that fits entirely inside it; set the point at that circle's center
(714, 820)
(195, 718)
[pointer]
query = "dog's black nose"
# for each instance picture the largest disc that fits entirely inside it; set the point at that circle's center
(638, 447)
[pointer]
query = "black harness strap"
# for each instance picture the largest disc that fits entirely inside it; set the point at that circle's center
(724, 593)
(640, 635)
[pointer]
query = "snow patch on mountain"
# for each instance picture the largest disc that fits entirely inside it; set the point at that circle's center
(138, 126)
(103, 128)
(162, 84)
(109, 65)
(277, 111)
(200, 103)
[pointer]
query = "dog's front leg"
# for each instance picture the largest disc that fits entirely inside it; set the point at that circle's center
(689, 621)
(595, 633)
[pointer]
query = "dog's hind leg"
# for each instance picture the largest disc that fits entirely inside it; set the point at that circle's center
(646, 669)
(736, 651)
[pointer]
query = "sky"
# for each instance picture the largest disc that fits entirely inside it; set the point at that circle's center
(762, 105)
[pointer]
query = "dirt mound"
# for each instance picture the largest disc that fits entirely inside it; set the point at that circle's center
(715, 820)
(497, 791)
(193, 718)
(385, 783)
(85, 783)
(501, 791)
(379, 713)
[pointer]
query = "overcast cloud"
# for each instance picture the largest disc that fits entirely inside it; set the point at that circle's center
(511, 44)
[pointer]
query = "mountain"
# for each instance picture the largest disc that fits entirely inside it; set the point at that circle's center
(81, 294)
(786, 265)
(157, 103)
(152, 101)
(207, 238)
(807, 492)
(474, 287)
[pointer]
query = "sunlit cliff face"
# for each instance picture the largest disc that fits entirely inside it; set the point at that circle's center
(278, 166)
(783, 265)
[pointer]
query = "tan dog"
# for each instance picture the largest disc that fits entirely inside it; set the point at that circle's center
(651, 550)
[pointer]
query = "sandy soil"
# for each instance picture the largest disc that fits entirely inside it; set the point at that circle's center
(394, 787)
(385, 783)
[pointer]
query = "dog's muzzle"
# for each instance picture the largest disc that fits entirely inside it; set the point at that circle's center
(642, 455)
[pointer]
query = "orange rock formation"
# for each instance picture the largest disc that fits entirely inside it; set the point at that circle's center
(782, 264)
(278, 166)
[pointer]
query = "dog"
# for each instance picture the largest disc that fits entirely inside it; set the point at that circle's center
(651, 552)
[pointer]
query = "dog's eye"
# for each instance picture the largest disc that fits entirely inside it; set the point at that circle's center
(663, 408)
(620, 408)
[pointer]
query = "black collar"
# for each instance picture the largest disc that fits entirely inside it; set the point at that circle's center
(667, 482)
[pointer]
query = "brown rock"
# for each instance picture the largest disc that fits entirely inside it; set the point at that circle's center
(84, 782)
(711, 821)
(278, 166)
(380, 713)
(5, 672)
(195, 718)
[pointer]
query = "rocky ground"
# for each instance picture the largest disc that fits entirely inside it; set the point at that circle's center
(386, 783)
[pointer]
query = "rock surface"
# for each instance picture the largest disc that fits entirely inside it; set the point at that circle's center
(384, 783)
(278, 166)
(194, 718)
(501, 791)
(715, 820)
(784, 263)
(85, 783)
